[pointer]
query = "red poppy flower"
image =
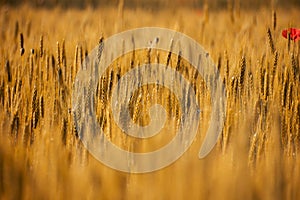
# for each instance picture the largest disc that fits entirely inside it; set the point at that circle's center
(294, 33)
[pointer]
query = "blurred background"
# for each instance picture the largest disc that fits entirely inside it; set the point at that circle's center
(153, 4)
(258, 153)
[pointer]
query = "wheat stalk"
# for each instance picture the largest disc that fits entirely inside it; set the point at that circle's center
(242, 73)
(22, 50)
(34, 108)
(58, 54)
(226, 67)
(270, 40)
(274, 19)
(41, 46)
(8, 71)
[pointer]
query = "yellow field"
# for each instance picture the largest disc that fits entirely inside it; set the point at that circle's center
(256, 157)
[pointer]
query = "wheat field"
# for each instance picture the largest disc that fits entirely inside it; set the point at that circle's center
(257, 154)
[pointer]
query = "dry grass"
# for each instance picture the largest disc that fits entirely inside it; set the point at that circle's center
(41, 157)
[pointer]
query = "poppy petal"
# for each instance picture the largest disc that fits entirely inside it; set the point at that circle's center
(284, 33)
(294, 33)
